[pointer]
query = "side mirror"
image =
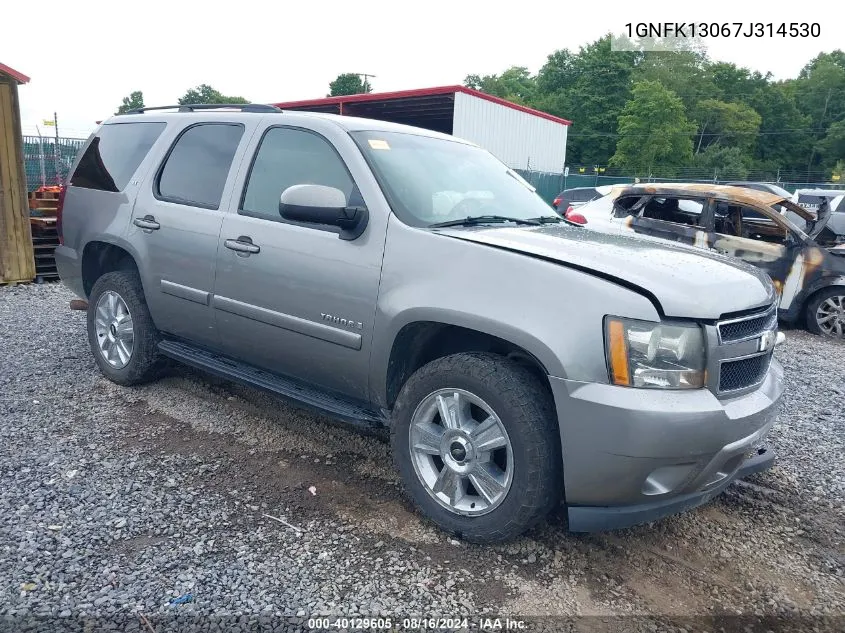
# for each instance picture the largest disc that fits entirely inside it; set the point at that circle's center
(318, 204)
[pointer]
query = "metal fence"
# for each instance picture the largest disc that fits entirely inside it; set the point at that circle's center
(48, 162)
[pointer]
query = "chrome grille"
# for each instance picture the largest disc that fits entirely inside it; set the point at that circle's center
(743, 373)
(748, 327)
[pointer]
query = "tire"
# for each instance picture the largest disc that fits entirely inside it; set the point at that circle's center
(144, 363)
(523, 414)
(829, 302)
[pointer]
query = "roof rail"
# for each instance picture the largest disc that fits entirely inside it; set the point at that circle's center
(191, 107)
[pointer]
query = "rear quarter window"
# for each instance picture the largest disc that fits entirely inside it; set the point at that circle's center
(114, 154)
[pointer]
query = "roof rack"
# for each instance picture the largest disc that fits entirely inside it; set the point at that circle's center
(191, 107)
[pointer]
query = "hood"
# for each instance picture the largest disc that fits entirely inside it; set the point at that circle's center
(686, 282)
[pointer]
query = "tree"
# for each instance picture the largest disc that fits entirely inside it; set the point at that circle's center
(724, 123)
(133, 101)
(348, 84)
(653, 130)
(515, 84)
(685, 72)
(735, 84)
(590, 88)
(206, 94)
(724, 162)
(786, 140)
(831, 148)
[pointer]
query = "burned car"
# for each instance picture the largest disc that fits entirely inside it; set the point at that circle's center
(806, 263)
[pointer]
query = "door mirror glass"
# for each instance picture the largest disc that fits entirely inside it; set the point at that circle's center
(320, 204)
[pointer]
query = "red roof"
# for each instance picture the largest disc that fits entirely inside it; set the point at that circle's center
(14, 74)
(406, 94)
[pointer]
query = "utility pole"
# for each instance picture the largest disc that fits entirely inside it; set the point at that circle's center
(56, 148)
(366, 83)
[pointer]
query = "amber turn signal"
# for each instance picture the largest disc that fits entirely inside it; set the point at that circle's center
(618, 353)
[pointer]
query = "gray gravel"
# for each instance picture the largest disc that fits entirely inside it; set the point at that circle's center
(116, 501)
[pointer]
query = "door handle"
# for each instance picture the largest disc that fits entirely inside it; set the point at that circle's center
(148, 223)
(242, 245)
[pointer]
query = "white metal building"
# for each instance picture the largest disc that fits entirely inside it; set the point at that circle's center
(521, 137)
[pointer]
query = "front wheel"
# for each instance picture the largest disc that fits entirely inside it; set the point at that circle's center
(826, 313)
(476, 441)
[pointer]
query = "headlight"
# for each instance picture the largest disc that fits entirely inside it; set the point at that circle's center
(654, 355)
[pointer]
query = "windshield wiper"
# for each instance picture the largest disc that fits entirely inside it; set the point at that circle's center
(548, 219)
(474, 220)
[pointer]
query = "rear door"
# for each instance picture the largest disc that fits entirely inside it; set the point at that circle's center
(176, 223)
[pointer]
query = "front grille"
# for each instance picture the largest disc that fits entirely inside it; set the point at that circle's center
(746, 372)
(740, 329)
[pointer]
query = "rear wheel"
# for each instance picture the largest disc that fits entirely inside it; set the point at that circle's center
(121, 333)
(476, 441)
(825, 313)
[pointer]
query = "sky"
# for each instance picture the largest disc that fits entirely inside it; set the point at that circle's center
(280, 51)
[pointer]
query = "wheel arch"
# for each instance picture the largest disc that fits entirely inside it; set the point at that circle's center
(419, 342)
(101, 256)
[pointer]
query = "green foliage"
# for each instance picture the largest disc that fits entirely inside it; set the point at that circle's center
(515, 84)
(590, 88)
(653, 131)
(724, 123)
(348, 84)
(206, 94)
(741, 117)
(724, 162)
(133, 101)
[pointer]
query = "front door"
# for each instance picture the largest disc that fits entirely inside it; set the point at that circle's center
(294, 298)
(760, 237)
(176, 224)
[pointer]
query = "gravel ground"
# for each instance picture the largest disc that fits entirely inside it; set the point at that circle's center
(114, 502)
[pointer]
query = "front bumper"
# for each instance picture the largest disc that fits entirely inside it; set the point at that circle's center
(634, 455)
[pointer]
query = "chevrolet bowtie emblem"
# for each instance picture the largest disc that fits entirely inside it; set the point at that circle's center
(767, 341)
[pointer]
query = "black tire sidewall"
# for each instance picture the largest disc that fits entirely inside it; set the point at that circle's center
(145, 360)
(813, 306)
(531, 427)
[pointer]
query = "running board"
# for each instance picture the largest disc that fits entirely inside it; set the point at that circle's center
(314, 398)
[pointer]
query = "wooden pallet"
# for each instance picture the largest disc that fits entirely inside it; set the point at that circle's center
(45, 239)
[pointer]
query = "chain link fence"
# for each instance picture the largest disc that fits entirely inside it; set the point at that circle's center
(47, 161)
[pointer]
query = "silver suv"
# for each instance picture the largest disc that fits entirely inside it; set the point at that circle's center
(394, 277)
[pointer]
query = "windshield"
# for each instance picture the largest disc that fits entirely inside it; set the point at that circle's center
(431, 180)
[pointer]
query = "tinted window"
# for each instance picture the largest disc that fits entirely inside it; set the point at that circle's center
(196, 169)
(290, 157)
(582, 195)
(114, 154)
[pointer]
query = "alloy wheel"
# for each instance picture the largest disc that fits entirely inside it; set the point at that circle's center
(115, 334)
(461, 452)
(830, 316)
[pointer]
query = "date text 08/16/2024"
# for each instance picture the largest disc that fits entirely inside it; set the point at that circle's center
(411, 624)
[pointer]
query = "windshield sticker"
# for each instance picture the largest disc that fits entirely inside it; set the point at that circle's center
(376, 143)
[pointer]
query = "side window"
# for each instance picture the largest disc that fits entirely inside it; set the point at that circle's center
(740, 221)
(195, 170)
(685, 211)
(287, 157)
(114, 154)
